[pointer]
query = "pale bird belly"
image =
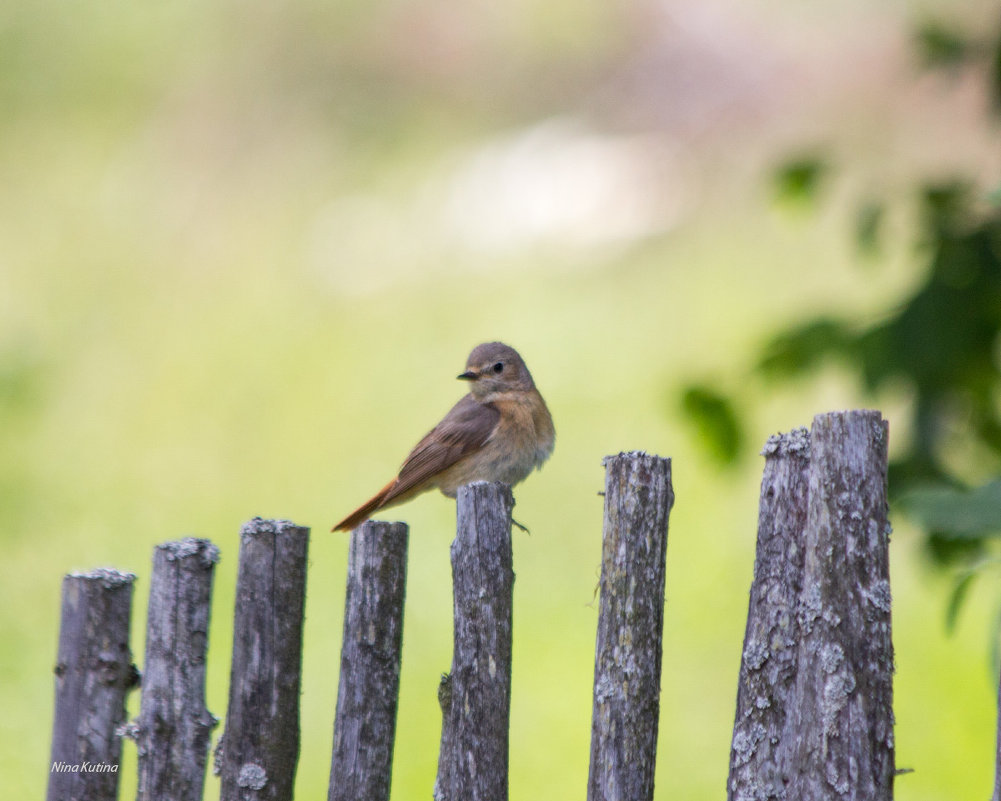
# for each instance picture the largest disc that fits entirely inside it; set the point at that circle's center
(514, 450)
(493, 462)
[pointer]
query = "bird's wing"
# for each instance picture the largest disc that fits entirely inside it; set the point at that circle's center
(463, 430)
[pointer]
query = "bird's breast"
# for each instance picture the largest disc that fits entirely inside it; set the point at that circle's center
(521, 441)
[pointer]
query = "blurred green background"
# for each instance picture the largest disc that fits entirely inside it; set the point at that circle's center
(245, 249)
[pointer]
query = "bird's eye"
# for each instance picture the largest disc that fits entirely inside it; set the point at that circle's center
(499, 367)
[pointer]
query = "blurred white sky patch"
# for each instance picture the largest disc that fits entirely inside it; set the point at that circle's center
(558, 183)
(556, 186)
(363, 243)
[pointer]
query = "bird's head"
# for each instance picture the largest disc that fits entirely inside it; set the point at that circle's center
(493, 369)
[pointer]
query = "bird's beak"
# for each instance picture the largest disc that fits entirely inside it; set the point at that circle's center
(469, 375)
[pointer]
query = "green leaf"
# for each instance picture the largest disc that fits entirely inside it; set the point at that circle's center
(939, 46)
(959, 592)
(799, 180)
(958, 513)
(797, 350)
(945, 205)
(868, 222)
(995, 635)
(715, 420)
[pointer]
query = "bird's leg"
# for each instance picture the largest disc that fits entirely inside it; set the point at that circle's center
(519, 525)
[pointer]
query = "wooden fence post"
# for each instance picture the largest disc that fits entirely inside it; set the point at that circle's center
(94, 673)
(771, 640)
(364, 728)
(838, 740)
(260, 746)
(474, 758)
(174, 727)
(627, 661)
(446, 748)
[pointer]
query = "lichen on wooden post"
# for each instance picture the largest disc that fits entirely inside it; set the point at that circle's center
(368, 690)
(446, 749)
(771, 639)
(473, 765)
(94, 673)
(260, 746)
(174, 726)
(838, 738)
(627, 662)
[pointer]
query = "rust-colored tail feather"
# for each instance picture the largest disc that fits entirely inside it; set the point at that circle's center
(365, 511)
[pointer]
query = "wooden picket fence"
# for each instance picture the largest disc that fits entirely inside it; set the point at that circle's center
(814, 716)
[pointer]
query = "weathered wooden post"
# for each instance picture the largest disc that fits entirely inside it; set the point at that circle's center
(838, 736)
(476, 700)
(94, 673)
(771, 640)
(174, 727)
(260, 746)
(627, 661)
(446, 748)
(365, 725)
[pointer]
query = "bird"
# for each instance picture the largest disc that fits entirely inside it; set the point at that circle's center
(500, 431)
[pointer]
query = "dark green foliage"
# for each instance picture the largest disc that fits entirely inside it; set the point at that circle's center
(961, 513)
(799, 180)
(956, 598)
(943, 343)
(715, 420)
(938, 45)
(868, 223)
(800, 349)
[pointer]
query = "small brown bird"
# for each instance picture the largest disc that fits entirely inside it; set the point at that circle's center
(500, 431)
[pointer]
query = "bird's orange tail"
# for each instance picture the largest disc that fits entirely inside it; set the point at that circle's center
(365, 511)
